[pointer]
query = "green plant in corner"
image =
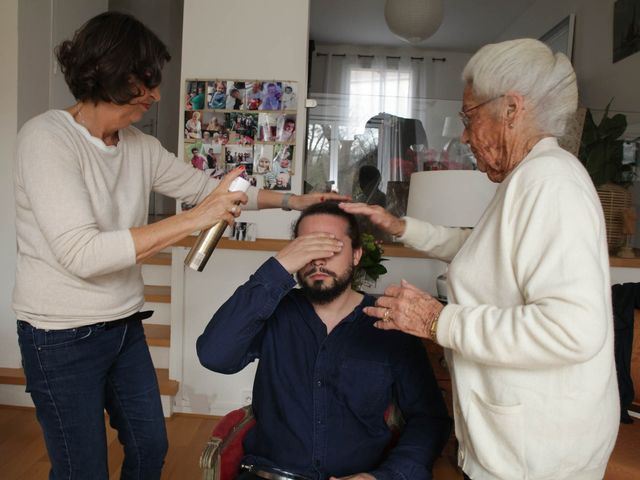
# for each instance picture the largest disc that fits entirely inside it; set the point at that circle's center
(370, 267)
(601, 149)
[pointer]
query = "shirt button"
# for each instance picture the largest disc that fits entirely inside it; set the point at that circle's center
(319, 383)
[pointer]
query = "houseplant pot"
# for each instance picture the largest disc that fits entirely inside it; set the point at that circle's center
(601, 154)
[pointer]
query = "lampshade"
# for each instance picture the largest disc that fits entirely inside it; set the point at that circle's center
(413, 20)
(453, 198)
(452, 127)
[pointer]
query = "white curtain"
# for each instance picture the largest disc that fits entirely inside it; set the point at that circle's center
(362, 86)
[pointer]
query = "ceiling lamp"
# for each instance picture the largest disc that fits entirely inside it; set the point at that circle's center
(413, 20)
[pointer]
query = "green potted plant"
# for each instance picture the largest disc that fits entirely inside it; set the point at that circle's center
(370, 267)
(601, 149)
(601, 152)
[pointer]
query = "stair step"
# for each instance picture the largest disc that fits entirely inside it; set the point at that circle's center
(157, 335)
(162, 258)
(15, 376)
(157, 293)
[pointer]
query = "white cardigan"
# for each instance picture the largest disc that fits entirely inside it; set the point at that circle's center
(528, 332)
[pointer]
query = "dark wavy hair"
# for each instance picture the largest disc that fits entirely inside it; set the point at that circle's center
(331, 208)
(109, 57)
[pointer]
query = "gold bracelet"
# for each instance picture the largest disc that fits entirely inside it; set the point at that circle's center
(434, 326)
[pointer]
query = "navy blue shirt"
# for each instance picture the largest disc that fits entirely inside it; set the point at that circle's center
(319, 399)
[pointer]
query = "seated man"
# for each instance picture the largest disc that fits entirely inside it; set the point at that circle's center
(326, 374)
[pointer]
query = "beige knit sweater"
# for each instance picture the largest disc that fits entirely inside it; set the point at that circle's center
(76, 199)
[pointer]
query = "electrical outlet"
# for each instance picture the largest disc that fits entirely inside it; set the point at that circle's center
(247, 397)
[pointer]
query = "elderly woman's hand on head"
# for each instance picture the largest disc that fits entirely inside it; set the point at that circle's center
(378, 216)
(408, 309)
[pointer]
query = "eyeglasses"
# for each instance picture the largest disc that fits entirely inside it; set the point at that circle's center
(466, 120)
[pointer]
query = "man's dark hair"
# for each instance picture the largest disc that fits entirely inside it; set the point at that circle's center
(108, 55)
(331, 208)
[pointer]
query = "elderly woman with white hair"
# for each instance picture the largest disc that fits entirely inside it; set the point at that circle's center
(528, 331)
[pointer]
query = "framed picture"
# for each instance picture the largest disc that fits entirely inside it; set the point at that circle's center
(626, 22)
(560, 37)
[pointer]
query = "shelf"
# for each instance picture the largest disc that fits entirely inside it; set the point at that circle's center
(395, 250)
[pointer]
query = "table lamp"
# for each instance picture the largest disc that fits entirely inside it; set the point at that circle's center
(452, 198)
(455, 155)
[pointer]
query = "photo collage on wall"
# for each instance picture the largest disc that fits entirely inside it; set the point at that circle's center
(228, 123)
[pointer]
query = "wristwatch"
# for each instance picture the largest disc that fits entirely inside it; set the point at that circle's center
(284, 204)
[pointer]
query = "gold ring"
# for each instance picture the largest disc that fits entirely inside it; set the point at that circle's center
(387, 315)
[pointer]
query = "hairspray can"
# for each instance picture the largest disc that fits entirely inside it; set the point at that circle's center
(199, 254)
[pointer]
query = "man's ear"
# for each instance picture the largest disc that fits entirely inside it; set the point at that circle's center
(357, 255)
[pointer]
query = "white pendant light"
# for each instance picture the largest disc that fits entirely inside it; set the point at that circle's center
(413, 20)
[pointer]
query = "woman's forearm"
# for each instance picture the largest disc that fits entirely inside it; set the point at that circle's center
(151, 239)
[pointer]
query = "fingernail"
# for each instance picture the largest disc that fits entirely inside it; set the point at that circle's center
(241, 167)
(322, 199)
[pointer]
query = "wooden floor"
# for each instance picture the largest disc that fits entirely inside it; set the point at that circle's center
(23, 455)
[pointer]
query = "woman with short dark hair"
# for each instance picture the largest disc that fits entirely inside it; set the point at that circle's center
(83, 177)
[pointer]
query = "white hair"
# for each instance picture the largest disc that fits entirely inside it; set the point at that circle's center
(527, 66)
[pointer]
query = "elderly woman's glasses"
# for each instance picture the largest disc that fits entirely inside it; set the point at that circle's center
(466, 120)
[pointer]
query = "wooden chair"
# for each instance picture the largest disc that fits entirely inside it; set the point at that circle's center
(220, 459)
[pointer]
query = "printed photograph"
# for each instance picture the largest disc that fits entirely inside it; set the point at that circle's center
(271, 94)
(267, 127)
(277, 181)
(236, 155)
(235, 95)
(193, 155)
(242, 127)
(253, 95)
(217, 95)
(194, 95)
(283, 159)
(286, 131)
(243, 231)
(192, 124)
(289, 99)
(214, 122)
(263, 156)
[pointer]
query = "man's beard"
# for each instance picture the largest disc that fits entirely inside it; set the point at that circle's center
(317, 293)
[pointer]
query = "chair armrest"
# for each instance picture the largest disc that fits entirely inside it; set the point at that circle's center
(220, 459)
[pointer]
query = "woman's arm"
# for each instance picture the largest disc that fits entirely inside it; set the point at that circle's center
(218, 205)
(271, 199)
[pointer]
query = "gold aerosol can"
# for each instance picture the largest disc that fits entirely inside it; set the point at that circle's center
(199, 254)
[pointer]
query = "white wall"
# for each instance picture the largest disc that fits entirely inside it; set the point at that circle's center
(42, 25)
(164, 18)
(248, 40)
(29, 87)
(599, 79)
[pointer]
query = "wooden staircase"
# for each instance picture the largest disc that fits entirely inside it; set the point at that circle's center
(158, 335)
(15, 376)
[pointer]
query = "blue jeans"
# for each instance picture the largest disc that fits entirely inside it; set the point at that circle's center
(73, 375)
